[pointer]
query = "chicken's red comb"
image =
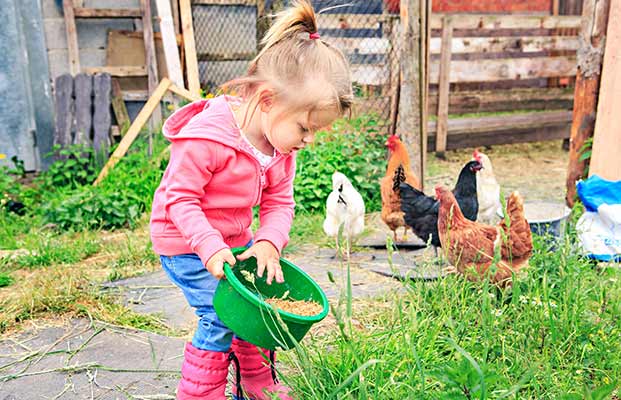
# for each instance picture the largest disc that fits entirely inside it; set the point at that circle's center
(476, 155)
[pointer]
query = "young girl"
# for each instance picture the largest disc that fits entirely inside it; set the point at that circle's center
(229, 154)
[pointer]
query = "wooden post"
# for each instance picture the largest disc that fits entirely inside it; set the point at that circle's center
(410, 98)
(395, 72)
(63, 101)
(191, 60)
(83, 88)
(151, 64)
(426, 73)
(590, 54)
(102, 120)
(119, 108)
(169, 42)
(605, 160)
(72, 37)
(444, 85)
(134, 129)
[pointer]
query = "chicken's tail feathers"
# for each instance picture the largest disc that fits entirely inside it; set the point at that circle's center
(515, 204)
(398, 178)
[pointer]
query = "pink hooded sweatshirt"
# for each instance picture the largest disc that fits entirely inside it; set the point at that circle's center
(204, 202)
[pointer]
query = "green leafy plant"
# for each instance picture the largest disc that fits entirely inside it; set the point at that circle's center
(354, 148)
(75, 167)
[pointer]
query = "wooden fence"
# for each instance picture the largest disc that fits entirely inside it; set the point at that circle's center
(479, 64)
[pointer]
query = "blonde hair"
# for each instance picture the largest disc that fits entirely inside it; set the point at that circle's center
(290, 59)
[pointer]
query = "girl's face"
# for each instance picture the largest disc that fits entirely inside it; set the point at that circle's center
(288, 130)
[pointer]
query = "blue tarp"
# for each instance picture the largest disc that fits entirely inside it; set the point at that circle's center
(596, 191)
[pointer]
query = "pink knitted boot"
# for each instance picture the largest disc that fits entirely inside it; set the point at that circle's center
(258, 375)
(203, 374)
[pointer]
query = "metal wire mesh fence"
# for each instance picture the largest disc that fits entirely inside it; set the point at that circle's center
(227, 37)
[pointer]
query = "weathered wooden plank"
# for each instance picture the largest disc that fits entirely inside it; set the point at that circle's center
(102, 120)
(189, 45)
(592, 39)
(444, 86)
(409, 126)
(504, 122)
(107, 12)
(605, 160)
(151, 64)
(171, 52)
(134, 129)
(83, 88)
(63, 107)
(72, 37)
(119, 108)
(175, 17)
(506, 100)
(523, 44)
(394, 72)
(497, 137)
(508, 21)
(120, 71)
(464, 21)
(507, 69)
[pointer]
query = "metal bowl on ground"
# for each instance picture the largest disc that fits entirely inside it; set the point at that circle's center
(544, 217)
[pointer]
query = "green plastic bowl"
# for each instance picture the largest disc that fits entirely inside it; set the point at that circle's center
(240, 307)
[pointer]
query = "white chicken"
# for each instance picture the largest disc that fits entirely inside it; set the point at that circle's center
(344, 207)
(488, 190)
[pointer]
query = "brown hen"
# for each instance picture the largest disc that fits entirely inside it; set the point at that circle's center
(472, 248)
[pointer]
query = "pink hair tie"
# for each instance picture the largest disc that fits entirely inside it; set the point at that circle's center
(314, 35)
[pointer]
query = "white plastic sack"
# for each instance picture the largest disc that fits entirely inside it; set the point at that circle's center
(600, 232)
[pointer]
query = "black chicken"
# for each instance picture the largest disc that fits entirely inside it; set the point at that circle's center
(421, 211)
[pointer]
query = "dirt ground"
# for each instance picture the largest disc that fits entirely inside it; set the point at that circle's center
(537, 170)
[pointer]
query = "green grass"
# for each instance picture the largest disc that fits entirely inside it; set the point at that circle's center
(555, 334)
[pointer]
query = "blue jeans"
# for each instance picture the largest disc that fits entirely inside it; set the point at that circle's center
(189, 273)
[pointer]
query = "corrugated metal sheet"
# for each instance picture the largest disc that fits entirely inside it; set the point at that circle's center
(25, 109)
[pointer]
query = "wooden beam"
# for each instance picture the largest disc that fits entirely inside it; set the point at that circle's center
(119, 108)
(517, 44)
(186, 94)
(191, 61)
(63, 104)
(395, 72)
(465, 21)
(107, 12)
(507, 69)
(122, 71)
(410, 118)
(133, 131)
(151, 63)
(605, 160)
(175, 17)
(83, 92)
(72, 37)
(102, 120)
(508, 21)
(592, 39)
(171, 51)
(444, 86)
(505, 100)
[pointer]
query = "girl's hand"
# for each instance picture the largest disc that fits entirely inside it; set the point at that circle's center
(267, 256)
(215, 265)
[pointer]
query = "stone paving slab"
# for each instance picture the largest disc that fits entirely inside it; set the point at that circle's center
(110, 363)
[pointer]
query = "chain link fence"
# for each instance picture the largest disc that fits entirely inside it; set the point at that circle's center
(227, 38)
